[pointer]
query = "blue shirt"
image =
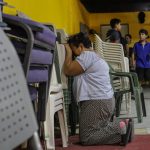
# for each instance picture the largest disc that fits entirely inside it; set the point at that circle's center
(94, 83)
(142, 54)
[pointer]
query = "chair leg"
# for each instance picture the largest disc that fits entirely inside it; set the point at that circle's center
(138, 105)
(42, 101)
(129, 103)
(34, 142)
(42, 138)
(118, 98)
(73, 117)
(63, 127)
(143, 104)
(50, 139)
(47, 122)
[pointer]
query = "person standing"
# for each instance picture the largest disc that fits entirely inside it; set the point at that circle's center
(141, 57)
(114, 34)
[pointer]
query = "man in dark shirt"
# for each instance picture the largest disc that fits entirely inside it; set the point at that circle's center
(114, 35)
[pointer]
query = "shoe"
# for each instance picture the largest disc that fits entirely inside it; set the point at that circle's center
(125, 137)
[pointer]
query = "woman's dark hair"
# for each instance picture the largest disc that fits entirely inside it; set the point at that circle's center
(143, 31)
(129, 35)
(80, 38)
(114, 22)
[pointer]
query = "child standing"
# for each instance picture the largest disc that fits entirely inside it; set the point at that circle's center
(141, 57)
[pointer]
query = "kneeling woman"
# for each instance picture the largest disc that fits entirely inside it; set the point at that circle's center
(92, 89)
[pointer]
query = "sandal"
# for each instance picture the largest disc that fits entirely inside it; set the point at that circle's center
(125, 137)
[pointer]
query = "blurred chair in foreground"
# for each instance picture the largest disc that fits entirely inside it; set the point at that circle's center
(17, 119)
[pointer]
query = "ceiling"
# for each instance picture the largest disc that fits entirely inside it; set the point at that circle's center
(106, 6)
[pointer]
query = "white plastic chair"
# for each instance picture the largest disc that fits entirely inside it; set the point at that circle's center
(55, 105)
(66, 81)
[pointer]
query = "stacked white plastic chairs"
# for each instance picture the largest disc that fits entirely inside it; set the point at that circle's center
(113, 53)
(55, 105)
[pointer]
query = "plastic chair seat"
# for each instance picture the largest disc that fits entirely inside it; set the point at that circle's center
(55, 88)
(41, 57)
(37, 75)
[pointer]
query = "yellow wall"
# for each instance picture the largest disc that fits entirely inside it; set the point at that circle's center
(131, 18)
(68, 14)
(65, 14)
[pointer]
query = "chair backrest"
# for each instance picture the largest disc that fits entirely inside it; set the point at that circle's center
(63, 35)
(97, 44)
(56, 75)
(17, 119)
(22, 38)
(51, 27)
(41, 32)
(61, 57)
(112, 53)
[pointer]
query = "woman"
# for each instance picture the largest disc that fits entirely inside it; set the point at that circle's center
(92, 89)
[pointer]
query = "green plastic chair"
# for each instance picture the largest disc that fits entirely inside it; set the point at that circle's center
(120, 89)
(134, 88)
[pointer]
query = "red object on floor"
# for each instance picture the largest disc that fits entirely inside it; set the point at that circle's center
(140, 142)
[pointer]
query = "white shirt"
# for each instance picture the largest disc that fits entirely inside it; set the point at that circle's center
(94, 83)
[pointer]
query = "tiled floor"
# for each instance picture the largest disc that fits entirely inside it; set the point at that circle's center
(140, 142)
(144, 127)
(140, 130)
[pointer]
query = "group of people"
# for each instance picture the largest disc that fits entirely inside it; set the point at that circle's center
(92, 86)
(138, 54)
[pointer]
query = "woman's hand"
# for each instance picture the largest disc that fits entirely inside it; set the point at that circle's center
(67, 47)
(71, 67)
